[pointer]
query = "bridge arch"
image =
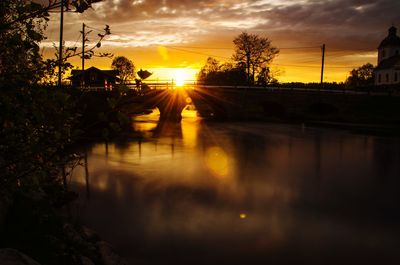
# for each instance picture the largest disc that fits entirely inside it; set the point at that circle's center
(170, 103)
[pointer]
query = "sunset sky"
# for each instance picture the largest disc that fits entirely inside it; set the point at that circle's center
(163, 35)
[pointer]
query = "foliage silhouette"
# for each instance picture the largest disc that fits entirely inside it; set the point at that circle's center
(125, 68)
(214, 73)
(362, 76)
(254, 52)
(40, 126)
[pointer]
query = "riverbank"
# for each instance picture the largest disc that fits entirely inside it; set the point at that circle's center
(38, 224)
(40, 127)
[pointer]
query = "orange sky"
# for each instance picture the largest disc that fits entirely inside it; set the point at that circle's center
(162, 35)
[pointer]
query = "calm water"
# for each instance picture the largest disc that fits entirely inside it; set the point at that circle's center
(244, 193)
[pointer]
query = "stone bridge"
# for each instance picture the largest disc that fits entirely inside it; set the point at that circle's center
(282, 104)
(169, 102)
(295, 104)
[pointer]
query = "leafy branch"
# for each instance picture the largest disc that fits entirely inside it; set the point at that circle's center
(88, 53)
(32, 10)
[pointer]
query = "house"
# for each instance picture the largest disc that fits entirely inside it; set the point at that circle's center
(94, 78)
(388, 70)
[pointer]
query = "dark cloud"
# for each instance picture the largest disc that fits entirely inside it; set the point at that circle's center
(340, 21)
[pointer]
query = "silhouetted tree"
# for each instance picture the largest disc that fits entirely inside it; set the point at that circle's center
(254, 52)
(125, 67)
(50, 71)
(361, 76)
(212, 65)
(39, 128)
(265, 77)
(214, 73)
(20, 60)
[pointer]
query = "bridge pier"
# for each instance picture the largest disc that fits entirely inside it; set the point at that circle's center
(171, 113)
(171, 105)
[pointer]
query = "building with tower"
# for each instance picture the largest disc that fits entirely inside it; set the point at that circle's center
(388, 70)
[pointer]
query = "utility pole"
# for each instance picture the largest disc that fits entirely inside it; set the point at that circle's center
(83, 54)
(322, 66)
(60, 50)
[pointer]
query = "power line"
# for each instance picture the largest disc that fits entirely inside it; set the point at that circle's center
(300, 66)
(203, 48)
(100, 30)
(184, 48)
(201, 53)
(287, 65)
(343, 67)
(231, 48)
(51, 32)
(345, 50)
(77, 39)
(299, 48)
(313, 66)
(314, 60)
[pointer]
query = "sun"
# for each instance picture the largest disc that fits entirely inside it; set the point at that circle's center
(180, 77)
(183, 76)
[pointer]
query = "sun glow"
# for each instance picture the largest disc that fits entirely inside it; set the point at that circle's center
(181, 77)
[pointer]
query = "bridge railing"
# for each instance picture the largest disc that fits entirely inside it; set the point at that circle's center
(156, 84)
(299, 89)
(193, 84)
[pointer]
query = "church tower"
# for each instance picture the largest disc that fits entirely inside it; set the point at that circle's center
(390, 46)
(388, 69)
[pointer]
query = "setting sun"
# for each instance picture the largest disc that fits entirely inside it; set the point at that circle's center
(180, 77)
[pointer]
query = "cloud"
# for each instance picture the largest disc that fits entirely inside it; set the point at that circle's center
(341, 23)
(308, 21)
(345, 26)
(336, 22)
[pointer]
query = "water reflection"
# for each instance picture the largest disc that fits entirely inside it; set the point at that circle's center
(237, 193)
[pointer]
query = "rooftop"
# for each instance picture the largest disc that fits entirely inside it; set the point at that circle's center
(392, 39)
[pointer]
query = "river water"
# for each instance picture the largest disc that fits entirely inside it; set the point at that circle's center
(244, 193)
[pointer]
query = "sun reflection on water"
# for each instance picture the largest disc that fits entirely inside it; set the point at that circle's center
(217, 161)
(219, 185)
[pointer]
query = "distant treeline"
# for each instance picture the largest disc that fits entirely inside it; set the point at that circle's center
(231, 78)
(338, 86)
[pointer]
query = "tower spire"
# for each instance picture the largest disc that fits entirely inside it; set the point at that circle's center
(392, 31)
